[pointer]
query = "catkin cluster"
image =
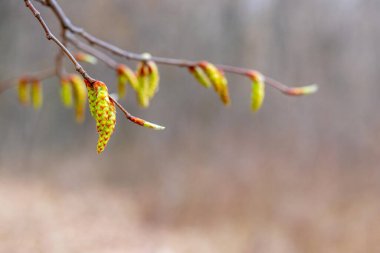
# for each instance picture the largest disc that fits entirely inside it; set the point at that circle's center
(209, 75)
(30, 90)
(145, 81)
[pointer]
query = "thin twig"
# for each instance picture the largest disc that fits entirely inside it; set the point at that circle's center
(93, 51)
(41, 75)
(60, 69)
(134, 119)
(51, 36)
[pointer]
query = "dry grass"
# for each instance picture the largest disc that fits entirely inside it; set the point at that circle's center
(273, 213)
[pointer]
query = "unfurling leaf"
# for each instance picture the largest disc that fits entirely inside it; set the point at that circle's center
(153, 126)
(66, 93)
(145, 123)
(258, 90)
(126, 75)
(148, 80)
(301, 91)
(79, 91)
(37, 94)
(23, 91)
(105, 115)
(200, 76)
(83, 57)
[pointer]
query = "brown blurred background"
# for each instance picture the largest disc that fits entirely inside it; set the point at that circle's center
(300, 176)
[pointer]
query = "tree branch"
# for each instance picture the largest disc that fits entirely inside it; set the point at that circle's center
(93, 40)
(81, 39)
(51, 36)
(60, 69)
(78, 67)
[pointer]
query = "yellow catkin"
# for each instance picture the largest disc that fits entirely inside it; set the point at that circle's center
(154, 79)
(91, 95)
(223, 91)
(200, 76)
(214, 74)
(125, 75)
(216, 78)
(37, 94)
(23, 91)
(105, 115)
(143, 88)
(80, 95)
(258, 90)
(132, 78)
(122, 86)
(66, 93)
(109, 126)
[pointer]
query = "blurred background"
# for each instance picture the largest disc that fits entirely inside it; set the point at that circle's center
(302, 175)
